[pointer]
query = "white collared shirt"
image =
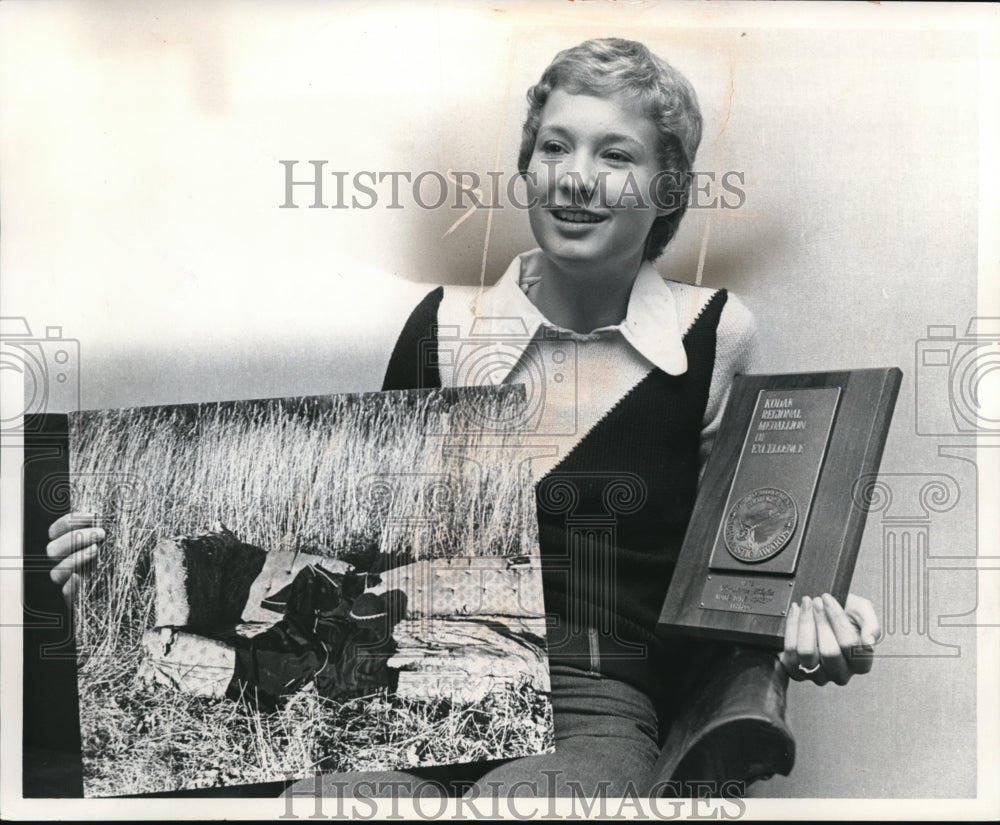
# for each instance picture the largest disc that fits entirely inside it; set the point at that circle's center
(571, 380)
(650, 325)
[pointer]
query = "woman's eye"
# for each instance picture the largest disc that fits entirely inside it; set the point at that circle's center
(617, 156)
(551, 147)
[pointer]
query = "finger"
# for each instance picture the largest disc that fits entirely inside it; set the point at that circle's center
(789, 656)
(69, 589)
(830, 654)
(71, 521)
(862, 612)
(791, 668)
(792, 630)
(73, 564)
(858, 657)
(74, 541)
(806, 647)
(844, 629)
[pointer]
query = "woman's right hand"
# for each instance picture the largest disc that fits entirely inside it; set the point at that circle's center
(76, 539)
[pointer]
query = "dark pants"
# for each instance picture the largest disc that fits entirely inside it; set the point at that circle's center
(605, 738)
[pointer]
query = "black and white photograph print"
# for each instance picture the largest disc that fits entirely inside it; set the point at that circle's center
(335, 583)
(208, 201)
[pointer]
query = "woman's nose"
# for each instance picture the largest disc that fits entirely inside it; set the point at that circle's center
(577, 175)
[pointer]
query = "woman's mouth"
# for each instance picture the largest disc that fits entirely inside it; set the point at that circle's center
(577, 216)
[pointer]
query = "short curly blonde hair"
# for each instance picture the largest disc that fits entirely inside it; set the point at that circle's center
(627, 70)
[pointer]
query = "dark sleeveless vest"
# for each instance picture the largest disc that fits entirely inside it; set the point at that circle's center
(613, 512)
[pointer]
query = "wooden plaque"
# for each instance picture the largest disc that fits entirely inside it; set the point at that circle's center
(776, 517)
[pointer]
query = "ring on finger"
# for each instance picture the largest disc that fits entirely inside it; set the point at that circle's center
(812, 669)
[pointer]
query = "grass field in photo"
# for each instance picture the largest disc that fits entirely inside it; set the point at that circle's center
(427, 474)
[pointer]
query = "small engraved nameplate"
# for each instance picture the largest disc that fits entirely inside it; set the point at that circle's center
(760, 595)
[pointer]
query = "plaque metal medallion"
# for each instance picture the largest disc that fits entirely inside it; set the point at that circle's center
(760, 524)
(775, 518)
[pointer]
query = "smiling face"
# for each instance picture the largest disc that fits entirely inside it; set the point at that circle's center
(590, 184)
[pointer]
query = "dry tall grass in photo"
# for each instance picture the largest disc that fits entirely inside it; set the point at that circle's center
(425, 474)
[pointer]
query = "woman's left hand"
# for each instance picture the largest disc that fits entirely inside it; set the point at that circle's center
(825, 642)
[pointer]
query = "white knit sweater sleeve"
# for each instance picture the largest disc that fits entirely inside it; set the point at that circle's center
(735, 352)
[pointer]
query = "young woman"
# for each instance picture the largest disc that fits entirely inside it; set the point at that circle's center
(627, 376)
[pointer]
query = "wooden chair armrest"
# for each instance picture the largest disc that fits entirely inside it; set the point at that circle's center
(732, 731)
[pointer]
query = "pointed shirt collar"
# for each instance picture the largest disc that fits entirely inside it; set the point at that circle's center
(505, 312)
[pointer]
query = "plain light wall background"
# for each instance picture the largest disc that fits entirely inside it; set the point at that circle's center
(140, 194)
